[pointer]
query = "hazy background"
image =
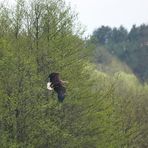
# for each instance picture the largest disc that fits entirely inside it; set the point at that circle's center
(94, 13)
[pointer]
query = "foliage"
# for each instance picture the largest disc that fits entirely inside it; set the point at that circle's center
(130, 47)
(100, 109)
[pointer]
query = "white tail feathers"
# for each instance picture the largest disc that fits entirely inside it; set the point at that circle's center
(49, 86)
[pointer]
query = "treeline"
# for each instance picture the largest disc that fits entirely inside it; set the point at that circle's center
(39, 37)
(130, 47)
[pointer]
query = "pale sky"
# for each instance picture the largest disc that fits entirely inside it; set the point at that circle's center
(94, 13)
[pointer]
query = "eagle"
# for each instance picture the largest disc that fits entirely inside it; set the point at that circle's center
(56, 84)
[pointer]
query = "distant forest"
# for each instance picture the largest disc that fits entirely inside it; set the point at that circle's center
(130, 47)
